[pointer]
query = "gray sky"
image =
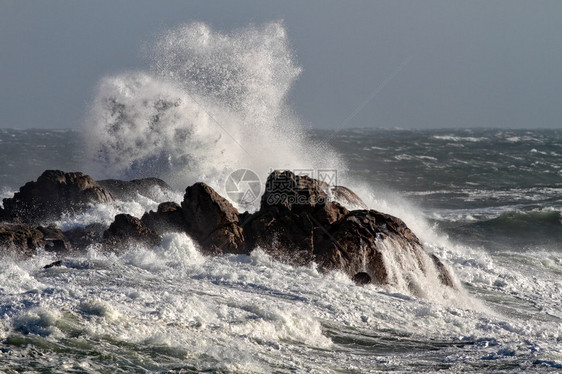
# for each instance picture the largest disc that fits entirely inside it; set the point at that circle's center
(408, 64)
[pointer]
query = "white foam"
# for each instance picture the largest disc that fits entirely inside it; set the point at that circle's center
(459, 138)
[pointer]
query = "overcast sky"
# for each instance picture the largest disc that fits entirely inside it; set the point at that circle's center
(407, 64)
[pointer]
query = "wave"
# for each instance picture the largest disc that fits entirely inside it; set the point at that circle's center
(211, 103)
(518, 229)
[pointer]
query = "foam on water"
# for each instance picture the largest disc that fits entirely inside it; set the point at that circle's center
(175, 308)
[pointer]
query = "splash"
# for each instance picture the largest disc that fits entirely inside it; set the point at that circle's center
(211, 103)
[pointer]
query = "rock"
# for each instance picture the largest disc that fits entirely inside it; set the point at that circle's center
(287, 191)
(168, 218)
(353, 244)
(127, 190)
(82, 237)
(298, 224)
(444, 275)
(53, 264)
(127, 228)
(26, 239)
(54, 193)
(293, 208)
(212, 221)
(361, 278)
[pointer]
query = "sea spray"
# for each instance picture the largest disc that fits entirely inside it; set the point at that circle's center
(210, 104)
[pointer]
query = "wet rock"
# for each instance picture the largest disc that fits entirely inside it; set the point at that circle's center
(444, 275)
(127, 228)
(26, 239)
(362, 278)
(168, 218)
(347, 198)
(127, 190)
(352, 245)
(298, 224)
(54, 193)
(212, 221)
(53, 264)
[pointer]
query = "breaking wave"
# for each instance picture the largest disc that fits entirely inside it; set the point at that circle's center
(210, 103)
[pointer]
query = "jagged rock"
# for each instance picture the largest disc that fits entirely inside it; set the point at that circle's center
(352, 245)
(54, 193)
(212, 221)
(168, 218)
(298, 224)
(292, 209)
(284, 189)
(127, 190)
(27, 239)
(127, 228)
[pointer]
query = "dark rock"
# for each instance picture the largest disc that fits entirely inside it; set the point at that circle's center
(293, 208)
(286, 191)
(168, 218)
(127, 228)
(212, 221)
(54, 193)
(444, 275)
(297, 223)
(362, 278)
(53, 264)
(352, 245)
(27, 239)
(127, 190)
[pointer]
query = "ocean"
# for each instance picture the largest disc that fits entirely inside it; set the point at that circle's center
(488, 202)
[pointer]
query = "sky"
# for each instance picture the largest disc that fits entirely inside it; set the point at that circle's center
(384, 64)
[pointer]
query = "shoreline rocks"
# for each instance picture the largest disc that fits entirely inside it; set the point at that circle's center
(297, 223)
(126, 190)
(53, 194)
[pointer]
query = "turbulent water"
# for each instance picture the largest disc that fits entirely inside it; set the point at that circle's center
(488, 202)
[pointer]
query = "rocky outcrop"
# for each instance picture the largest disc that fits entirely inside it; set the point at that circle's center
(27, 239)
(127, 228)
(127, 190)
(300, 221)
(54, 193)
(297, 223)
(212, 221)
(168, 218)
